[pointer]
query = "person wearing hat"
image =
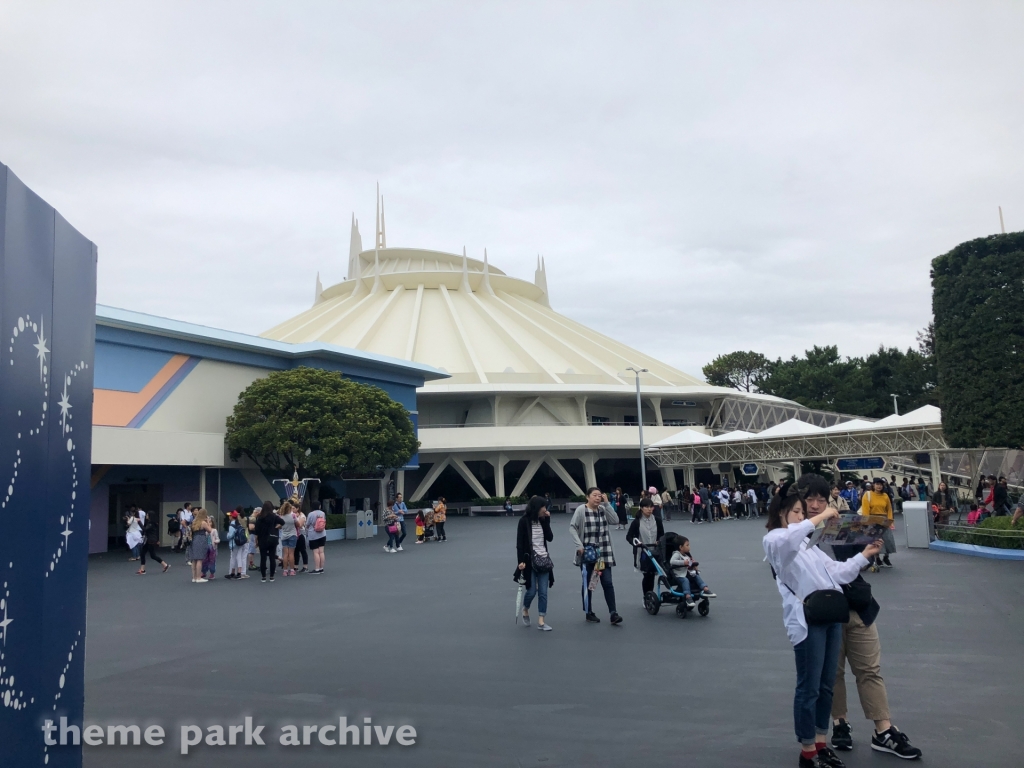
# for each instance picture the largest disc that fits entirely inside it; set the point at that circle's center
(850, 494)
(656, 500)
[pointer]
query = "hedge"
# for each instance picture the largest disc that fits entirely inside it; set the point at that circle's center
(994, 532)
(978, 303)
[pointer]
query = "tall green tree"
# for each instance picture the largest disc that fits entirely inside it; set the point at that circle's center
(739, 370)
(978, 303)
(319, 423)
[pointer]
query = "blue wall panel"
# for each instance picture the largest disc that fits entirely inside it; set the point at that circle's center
(127, 369)
(47, 308)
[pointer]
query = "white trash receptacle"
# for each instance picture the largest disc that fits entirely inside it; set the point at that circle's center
(917, 517)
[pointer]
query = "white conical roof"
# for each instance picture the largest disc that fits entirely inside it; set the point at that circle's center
(483, 328)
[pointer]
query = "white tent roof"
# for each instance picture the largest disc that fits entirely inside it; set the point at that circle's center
(927, 415)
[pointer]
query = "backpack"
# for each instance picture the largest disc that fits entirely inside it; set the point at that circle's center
(239, 536)
(320, 524)
(173, 526)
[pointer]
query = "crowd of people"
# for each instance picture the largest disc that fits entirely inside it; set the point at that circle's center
(283, 537)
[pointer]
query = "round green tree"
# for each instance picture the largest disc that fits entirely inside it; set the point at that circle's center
(319, 423)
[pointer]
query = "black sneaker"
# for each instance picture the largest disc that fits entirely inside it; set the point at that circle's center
(263, 580)
(842, 736)
(615, 619)
(885, 563)
(592, 617)
(895, 742)
(829, 759)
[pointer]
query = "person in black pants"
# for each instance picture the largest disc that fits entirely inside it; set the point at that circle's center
(648, 529)
(151, 537)
(268, 525)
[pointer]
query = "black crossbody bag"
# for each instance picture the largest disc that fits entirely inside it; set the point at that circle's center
(823, 606)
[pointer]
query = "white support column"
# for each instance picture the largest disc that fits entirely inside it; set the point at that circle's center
(589, 473)
(202, 487)
(400, 482)
(565, 477)
(688, 475)
(796, 469)
(656, 406)
(432, 474)
(528, 473)
(469, 477)
(936, 470)
(668, 479)
(499, 462)
(581, 403)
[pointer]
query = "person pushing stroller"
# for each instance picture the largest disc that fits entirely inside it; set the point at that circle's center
(684, 568)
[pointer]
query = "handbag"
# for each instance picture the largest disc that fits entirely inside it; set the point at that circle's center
(591, 553)
(824, 606)
(541, 563)
(392, 528)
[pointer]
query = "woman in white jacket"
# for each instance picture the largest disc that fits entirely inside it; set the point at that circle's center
(801, 570)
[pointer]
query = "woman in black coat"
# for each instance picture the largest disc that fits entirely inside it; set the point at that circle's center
(649, 529)
(535, 568)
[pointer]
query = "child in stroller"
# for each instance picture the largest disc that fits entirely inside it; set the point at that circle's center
(671, 591)
(688, 579)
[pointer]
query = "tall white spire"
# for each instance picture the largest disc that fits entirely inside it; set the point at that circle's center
(318, 290)
(355, 247)
(380, 236)
(465, 286)
(540, 279)
(487, 275)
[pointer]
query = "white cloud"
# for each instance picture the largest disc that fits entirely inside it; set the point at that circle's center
(693, 173)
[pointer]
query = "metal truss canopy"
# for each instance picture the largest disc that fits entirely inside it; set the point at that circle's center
(827, 445)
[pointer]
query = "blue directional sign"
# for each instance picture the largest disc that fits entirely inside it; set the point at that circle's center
(749, 469)
(852, 465)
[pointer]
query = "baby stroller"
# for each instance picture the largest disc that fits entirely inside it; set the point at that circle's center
(660, 554)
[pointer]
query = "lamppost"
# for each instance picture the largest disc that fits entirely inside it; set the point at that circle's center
(640, 423)
(895, 405)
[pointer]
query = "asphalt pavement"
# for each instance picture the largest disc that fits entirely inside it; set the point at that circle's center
(427, 637)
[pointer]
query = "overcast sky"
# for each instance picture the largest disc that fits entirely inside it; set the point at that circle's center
(701, 177)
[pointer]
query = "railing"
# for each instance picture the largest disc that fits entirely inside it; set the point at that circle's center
(1003, 538)
(673, 423)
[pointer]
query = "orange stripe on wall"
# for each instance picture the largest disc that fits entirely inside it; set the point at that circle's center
(111, 408)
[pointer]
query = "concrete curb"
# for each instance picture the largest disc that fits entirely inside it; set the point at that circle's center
(993, 553)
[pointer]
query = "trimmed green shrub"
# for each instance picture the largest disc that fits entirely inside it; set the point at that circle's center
(978, 302)
(498, 501)
(996, 532)
(335, 521)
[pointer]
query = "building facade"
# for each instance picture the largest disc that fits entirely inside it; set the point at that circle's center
(163, 390)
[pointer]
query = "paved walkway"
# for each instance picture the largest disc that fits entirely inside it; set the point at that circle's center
(427, 637)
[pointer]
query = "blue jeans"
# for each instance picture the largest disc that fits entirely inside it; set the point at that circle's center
(817, 657)
(538, 587)
(392, 540)
(401, 527)
(685, 581)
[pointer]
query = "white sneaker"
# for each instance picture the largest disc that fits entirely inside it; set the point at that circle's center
(201, 581)
(400, 548)
(387, 548)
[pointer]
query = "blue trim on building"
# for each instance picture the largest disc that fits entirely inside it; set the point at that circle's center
(135, 329)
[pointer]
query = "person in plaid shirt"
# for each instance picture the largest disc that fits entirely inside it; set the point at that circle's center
(589, 527)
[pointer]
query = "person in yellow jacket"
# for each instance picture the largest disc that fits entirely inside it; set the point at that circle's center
(876, 502)
(440, 517)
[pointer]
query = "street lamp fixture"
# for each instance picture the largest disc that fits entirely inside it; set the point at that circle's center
(640, 424)
(895, 405)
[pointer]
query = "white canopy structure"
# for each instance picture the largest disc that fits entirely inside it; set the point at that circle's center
(919, 431)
